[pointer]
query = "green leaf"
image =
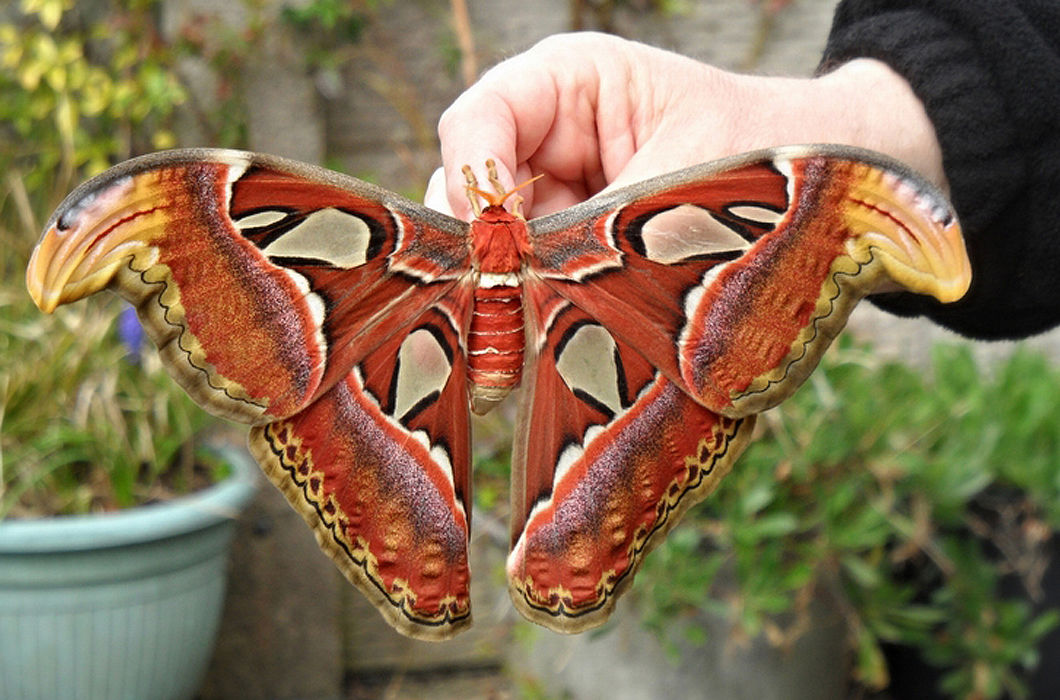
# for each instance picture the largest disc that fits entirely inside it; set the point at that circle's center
(864, 574)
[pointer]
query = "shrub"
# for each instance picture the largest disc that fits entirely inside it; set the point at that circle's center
(88, 422)
(911, 496)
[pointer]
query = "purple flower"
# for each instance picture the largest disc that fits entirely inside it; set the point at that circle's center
(131, 333)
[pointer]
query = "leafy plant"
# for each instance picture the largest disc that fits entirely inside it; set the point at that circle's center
(911, 497)
(87, 422)
(78, 93)
(85, 427)
(332, 23)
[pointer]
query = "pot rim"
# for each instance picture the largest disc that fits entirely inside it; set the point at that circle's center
(215, 504)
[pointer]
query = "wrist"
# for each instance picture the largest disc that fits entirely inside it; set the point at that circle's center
(877, 109)
(862, 103)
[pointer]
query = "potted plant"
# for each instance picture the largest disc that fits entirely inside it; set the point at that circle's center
(889, 529)
(116, 522)
(115, 515)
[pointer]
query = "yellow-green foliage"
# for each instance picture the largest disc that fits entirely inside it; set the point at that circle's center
(78, 92)
(85, 422)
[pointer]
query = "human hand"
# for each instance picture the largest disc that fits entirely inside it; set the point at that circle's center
(589, 111)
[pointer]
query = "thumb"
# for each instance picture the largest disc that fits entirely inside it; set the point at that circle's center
(436, 197)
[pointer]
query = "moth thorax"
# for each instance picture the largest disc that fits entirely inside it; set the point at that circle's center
(495, 342)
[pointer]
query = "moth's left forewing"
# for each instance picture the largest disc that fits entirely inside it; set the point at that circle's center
(856, 223)
(640, 259)
(733, 277)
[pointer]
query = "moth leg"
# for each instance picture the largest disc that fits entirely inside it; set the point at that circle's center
(491, 173)
(472, 189)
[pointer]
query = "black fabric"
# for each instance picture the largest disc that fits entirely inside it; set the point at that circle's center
(988, 73)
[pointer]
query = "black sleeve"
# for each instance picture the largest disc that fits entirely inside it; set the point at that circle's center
(988, 73)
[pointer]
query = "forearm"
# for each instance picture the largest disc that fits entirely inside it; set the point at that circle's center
(955, 88)
(987, 73)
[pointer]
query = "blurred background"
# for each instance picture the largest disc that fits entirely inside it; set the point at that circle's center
(889, 535)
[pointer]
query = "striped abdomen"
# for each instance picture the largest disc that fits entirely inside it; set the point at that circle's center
(495, 344)
(495, 340)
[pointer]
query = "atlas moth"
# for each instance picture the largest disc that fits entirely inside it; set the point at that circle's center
(354, 330)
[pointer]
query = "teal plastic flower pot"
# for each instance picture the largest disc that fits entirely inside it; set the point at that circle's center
(119, 605)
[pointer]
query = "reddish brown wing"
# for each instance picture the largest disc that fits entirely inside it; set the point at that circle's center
(733, 277)
(378, 466)
(307, 269)
(323, 309)
(656, 310)
(608, 456)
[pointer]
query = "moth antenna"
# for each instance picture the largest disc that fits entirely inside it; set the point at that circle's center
(499, 195)
(517, 206)
(517, 199)
(521, 185)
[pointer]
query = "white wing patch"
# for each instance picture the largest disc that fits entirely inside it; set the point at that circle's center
(423, 370)
(692, 301)
(587, 363)
(762, 215)
(317, 308)
(329, 235)
(784, 166)
(687, 231)
(261, 218)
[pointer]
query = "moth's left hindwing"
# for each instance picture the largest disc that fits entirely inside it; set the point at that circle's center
(609, 454)
(286, 296)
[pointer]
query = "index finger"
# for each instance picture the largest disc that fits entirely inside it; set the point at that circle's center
(504, 116)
